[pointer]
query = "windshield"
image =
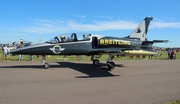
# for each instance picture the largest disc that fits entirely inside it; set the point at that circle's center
(70, 37)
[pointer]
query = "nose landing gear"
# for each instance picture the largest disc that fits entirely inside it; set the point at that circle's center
(45, 65)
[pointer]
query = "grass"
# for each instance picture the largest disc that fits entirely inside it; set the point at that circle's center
(173, 102)
(74, 57)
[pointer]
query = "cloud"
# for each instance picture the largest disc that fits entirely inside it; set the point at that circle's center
(105, 17)
(102, 25)
(80, 16)
(40, 26)
(54, 26)
(157, 24)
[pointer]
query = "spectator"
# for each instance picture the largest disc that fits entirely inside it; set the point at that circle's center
(79, 57)
(131, 56)
(31, 57)
(173, 54)
(2, 51)
(20, 57)
(169, 54)
(5, 52)
(8, 51)
(65, 57)
(21, 46)
(138, 56)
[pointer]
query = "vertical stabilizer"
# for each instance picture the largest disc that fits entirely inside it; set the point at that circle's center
(141, 30)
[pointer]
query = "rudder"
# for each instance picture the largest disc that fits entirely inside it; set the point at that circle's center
(141, 30)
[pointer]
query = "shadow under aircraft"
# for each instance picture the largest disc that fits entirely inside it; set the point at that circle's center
(85, 68)
(91, 44)
(88, 69)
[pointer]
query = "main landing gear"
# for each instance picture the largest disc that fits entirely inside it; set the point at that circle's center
(110, 64)
(96, 62)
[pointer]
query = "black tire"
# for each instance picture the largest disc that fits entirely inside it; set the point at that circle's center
(110, 65)
(46, 66)
(96, 62)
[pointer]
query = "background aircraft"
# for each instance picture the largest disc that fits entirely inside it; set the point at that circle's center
(18, 43)
(91, 44)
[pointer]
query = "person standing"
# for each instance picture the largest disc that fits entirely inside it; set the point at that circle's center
(174, 54)
(21, 46)
(5, 52)
(65, 57)
(31, 57)
(8, 52)
(169, 54)
(20, 56)
(2, 55)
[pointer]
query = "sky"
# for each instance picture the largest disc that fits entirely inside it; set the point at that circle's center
(32, 20)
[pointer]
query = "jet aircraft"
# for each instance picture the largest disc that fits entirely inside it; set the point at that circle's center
(18, 43)
(91, 44)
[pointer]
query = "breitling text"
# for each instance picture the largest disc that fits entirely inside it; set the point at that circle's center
(114, 42)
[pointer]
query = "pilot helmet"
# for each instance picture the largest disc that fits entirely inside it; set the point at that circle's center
(62, 37)
(21, 41)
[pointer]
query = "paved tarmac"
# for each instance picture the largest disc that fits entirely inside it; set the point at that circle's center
(131, 82)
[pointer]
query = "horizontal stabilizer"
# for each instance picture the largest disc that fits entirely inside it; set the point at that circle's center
(156, 41)
(160, 41)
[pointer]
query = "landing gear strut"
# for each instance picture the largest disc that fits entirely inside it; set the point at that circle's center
(110, 63)
(45, 65)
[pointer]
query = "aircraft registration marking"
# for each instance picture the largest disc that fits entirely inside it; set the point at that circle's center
(114, 42)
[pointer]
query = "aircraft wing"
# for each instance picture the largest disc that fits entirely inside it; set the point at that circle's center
(102, 51)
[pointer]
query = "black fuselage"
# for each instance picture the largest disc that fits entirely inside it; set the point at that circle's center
(84, 47)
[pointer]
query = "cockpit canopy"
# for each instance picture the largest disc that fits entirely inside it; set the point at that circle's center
(71, 37)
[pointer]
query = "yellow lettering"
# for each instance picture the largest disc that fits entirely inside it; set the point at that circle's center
(110, 41)
(125, 42)
(101, 41)
(106, 41)
(114, 42)
(129, 43)
(119, 42)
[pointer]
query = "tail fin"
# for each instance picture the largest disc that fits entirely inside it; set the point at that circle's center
(141, 30)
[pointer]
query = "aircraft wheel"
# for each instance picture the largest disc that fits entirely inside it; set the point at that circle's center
(46, 66)
(96, 62)
(110, 65)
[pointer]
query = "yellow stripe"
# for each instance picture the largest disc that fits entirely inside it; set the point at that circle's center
(139, 52)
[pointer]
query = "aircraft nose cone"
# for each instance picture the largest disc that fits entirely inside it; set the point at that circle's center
(36, 49)
(17, 51)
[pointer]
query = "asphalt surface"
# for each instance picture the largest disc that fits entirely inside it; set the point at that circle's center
(131, 82)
